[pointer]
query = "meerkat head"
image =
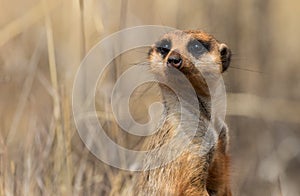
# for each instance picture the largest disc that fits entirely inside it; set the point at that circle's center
(186, 50)
(194, 53)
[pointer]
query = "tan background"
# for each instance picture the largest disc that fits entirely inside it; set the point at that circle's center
(42, 43)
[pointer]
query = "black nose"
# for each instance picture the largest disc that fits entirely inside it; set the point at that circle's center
(174, 60)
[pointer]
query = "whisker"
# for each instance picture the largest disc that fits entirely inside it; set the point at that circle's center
(244, 69)
(139, 63)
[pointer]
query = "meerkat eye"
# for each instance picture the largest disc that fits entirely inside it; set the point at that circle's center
(197, 48)
(164, 47)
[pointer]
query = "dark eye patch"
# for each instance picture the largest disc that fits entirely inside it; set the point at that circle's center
(163, 47)
(197, 48)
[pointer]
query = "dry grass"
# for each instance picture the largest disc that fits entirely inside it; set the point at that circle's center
(42, 43)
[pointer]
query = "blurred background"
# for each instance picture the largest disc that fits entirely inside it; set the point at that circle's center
(42, 43)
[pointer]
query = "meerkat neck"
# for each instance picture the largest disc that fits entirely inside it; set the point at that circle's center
(199, 95)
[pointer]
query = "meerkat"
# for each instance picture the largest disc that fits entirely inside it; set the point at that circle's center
(192, 172)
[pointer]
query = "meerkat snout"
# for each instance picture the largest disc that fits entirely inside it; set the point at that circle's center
(174, 59)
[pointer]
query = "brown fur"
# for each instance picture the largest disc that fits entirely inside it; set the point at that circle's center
(192, 173)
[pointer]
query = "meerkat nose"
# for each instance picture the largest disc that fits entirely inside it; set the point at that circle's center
(174, 59)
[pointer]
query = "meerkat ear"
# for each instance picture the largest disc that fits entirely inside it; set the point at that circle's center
(223, 139)
(225, 54)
